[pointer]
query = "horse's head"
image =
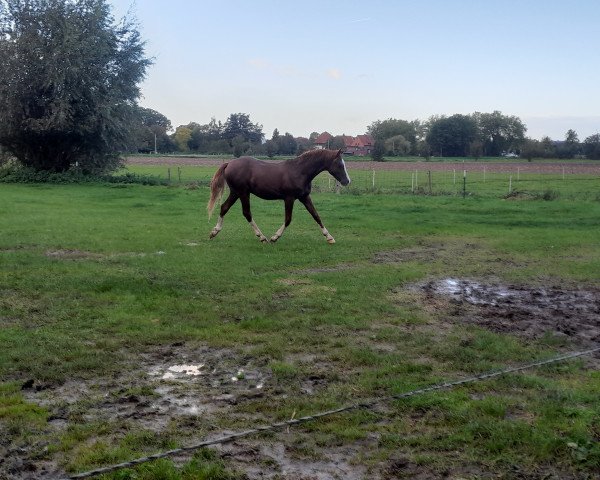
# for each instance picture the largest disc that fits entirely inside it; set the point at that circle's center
(338, 169)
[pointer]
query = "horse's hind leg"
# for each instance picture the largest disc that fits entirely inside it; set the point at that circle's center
(245, 199)
(231, 199)
(289, 205)
(312, 210)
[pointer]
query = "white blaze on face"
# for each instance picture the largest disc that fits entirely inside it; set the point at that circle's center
(345, 171)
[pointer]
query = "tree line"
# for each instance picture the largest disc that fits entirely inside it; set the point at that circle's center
(476, 135)
(69, 89)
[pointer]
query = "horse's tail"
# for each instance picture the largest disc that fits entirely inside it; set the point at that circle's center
(217, 185)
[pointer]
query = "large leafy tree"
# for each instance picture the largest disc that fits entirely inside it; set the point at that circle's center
(68, 82)
(570, 147)
(499, 133)
(393, 128)
(208, 138)
(452, 136)
(149, 131)
(238, 127)
(591, 147)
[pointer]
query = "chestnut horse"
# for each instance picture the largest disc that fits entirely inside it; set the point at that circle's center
(287, 181)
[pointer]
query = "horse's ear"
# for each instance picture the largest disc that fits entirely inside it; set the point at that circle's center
(339, 154)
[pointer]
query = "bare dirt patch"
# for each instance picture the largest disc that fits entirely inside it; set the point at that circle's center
(72, 254)
(566, 316)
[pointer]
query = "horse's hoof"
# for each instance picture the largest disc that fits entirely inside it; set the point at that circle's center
(212, 235)
(264, 240)
(331, 241)
(274, 238)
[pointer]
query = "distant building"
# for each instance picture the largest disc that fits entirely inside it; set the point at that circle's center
(361, 145)
(323, 141)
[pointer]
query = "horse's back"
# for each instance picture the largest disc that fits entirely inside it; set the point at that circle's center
(245, 167)
(269, 180)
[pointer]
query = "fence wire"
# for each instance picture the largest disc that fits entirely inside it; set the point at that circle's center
(357, 406)
(463, 182)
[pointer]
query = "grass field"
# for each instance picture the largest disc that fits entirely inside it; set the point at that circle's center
(104, 288)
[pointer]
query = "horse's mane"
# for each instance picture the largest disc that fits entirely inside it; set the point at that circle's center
(317, 154)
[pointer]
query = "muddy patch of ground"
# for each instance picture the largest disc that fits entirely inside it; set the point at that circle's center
(275, 460)
(569, 316)
(162, 390)
(186, 389)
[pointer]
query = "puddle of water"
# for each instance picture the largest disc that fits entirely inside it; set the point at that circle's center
(177, 371)
(173, 402)
(185, 369)
(471, 291)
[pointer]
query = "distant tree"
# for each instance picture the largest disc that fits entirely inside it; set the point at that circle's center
(182, 137)
(591, 147)
(423, 149)
(337, 143)
(271, 148)
(287, 144)
(392, 127)
(549, 149)
(68, 81)
(499, 133)
(239, 125)
(240, 146)
(531, 149)
(476, 149)
(397, 146)
(207, 138)
(149, 130)
(378, 151)
(303, 145)
(452, 136)
(570, 147)
(420, 129)
(571, 137)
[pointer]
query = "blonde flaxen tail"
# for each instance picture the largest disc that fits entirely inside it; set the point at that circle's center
(217, 185)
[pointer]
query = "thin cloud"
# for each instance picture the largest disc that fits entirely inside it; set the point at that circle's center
(360, 20)
(334, 73)
(258, 63)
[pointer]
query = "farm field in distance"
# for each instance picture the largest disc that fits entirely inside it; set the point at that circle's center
(124, 331)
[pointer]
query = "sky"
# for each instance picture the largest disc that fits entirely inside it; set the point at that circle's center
(338, 66)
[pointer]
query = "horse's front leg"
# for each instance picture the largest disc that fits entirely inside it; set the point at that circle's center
(245, 199)
(307, 202)
(289, 206)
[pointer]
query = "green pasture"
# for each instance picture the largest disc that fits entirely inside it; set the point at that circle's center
(96, 278)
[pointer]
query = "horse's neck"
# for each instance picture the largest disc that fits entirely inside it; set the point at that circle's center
(311, 167)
